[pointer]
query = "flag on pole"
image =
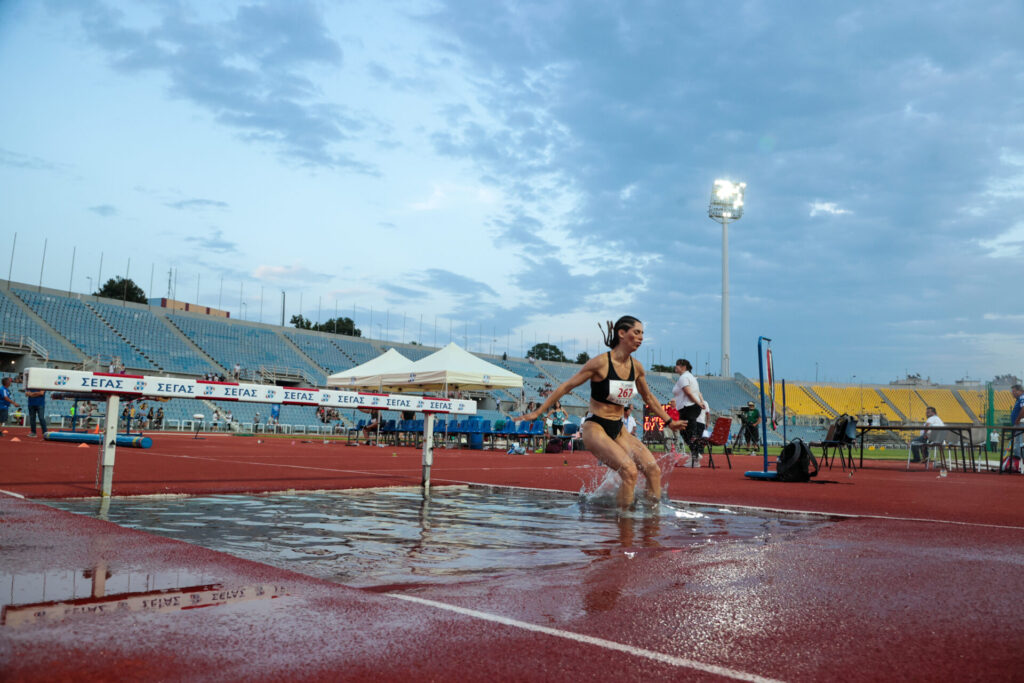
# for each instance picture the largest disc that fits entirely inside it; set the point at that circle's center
(771, 389)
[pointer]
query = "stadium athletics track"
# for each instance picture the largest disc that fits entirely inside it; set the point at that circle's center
(917, 584)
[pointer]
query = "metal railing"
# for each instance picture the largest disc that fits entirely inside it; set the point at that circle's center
(23, 342)
(270, 374)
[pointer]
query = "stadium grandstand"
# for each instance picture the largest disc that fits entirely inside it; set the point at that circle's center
(46, 327)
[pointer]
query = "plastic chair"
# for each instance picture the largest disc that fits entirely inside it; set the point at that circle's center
(485, 430)
(834, 445)
(357, 430)
(719, 437)
(536, 432)
(935, 446)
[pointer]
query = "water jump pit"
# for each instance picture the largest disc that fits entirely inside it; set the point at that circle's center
(396, 536)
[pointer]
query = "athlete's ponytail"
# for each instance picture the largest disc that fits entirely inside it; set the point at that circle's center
(611, 334)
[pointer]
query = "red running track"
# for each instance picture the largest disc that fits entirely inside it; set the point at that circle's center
(926, 594)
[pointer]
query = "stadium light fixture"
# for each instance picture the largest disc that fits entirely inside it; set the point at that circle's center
(726, 205)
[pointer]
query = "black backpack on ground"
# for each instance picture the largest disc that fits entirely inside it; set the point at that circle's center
(795, 462)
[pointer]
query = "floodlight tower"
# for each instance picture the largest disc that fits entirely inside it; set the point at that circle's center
(726, 205)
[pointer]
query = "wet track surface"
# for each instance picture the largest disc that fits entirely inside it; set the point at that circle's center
(391, 537)
(854, 599)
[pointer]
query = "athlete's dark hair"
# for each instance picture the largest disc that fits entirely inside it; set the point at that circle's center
(611, 334)
(685, 363)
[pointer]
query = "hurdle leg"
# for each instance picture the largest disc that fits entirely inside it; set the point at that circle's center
(109, 446)
(428, 449)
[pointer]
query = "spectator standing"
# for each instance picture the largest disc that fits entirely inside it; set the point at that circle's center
(6, 400)
(691, 406)
(919, 444)
(628, 420)
(558, 417)
(1017, 417)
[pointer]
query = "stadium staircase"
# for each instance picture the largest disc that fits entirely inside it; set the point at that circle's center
(832, 412)
(65, 351)
(885, 399)
(125, 339)
(966, 406)
(169, 321)
(748, 386)
(192, 345)
(311, 381)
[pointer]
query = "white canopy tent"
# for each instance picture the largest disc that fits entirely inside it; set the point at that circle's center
(369, 374)
(451, 369)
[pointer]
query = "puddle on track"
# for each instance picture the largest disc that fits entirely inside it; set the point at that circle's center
(394, 536)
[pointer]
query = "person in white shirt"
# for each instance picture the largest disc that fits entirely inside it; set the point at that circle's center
(629, 421)
(919, 444)
(691, 406)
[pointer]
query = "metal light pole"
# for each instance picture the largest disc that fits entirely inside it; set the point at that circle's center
(726, 205)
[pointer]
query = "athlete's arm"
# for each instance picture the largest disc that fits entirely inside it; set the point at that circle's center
(589, 371)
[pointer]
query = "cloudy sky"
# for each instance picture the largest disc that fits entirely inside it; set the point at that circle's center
(504, 173)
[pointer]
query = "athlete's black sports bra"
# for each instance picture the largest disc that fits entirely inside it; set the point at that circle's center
(613, 390)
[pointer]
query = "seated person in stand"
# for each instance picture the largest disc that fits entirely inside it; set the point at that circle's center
(370, 430)
(919, 445)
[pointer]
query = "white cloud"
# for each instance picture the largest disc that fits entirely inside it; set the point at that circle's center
(626, 193)
(1008, 244)
(1004, 316)
(830, 208)
(1010, 185)
(1007, 184)
(445, 195)
(293, 273)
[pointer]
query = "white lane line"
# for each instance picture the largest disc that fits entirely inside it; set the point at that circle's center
(847, 515)
(591, 640)
(412, 471)
(277, 464)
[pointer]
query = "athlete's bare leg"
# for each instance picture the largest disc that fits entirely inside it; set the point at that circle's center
(646, 463)
(616, 457)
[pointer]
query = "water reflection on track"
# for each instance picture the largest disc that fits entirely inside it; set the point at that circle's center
(396, 536)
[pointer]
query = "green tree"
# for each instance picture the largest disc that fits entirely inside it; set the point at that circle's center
(333, 325)
(582, 358)
(340, 325)
(662, 368)
(545, 351)
(122, 289)
(301, 323)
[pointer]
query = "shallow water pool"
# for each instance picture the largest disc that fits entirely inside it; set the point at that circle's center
(396, 536)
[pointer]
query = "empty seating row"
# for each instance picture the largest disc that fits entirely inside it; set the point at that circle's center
(152, 336)
(321, 349)
(945, 404)
(249, 346)
(16, 325)
(83, 328)
(358, 350)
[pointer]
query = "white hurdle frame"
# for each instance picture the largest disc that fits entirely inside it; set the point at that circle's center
(113, 387)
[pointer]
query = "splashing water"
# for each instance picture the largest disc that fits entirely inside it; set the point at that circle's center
(601, 491)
